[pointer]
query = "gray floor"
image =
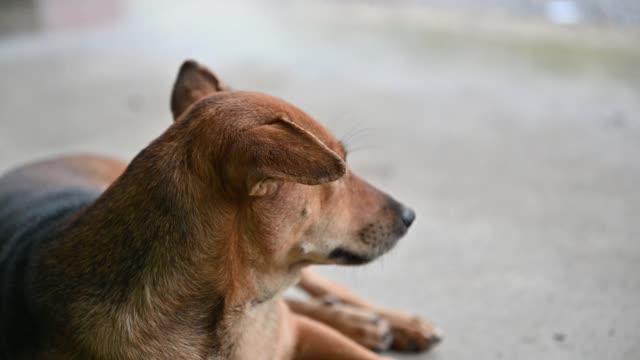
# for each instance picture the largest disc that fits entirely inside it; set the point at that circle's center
(516, 144)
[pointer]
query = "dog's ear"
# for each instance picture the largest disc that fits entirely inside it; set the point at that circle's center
(283, 151)
(192, 84)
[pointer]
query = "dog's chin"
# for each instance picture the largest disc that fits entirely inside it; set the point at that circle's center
(343, 256)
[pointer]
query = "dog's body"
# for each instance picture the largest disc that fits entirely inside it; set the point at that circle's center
(183, 254)
(37, 201)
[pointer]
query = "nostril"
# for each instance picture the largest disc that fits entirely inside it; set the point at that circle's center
(408, 216)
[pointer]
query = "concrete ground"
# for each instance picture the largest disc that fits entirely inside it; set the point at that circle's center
(517, 144)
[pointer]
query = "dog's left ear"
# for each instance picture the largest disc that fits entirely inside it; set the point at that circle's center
(283, 151)
(194, 82)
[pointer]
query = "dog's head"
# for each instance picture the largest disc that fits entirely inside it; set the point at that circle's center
(284, 175)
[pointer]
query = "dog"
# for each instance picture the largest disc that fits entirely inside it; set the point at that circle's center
(185, 252)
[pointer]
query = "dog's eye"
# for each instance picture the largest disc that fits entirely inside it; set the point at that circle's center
(265, 187)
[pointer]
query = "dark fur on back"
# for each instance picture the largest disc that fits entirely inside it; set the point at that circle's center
(28, 219)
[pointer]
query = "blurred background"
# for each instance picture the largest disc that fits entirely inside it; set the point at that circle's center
(512, 127)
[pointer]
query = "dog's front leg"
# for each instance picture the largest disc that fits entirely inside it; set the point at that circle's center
(365, 327)
(410, 333)
(315, 340)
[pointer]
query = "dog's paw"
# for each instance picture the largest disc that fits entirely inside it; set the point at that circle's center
(373, 332)
(412, 334)
(364, 326)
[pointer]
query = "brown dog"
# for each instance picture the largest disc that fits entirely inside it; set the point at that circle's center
(185, 253)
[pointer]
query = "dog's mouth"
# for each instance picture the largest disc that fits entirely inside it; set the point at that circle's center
(346, 257)
(376, 247)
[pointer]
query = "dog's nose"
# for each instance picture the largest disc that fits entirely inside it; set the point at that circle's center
(407, 216)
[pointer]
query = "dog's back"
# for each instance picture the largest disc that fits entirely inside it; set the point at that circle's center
(32, 211)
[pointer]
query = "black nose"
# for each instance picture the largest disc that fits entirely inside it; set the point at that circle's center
(407, 216)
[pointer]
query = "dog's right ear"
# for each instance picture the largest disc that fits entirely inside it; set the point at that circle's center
(192, 84)
(281, 151)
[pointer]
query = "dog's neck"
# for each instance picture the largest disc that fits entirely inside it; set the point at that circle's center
(158, 246)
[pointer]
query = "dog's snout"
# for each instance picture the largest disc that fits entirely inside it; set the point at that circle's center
(403, 216)
(408, 216)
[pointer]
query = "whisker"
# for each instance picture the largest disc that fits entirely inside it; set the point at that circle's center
(351, 150)
(357, 131)
(350, 138)
(350, 133)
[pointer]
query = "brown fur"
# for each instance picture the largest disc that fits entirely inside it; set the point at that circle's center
(186, 253)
